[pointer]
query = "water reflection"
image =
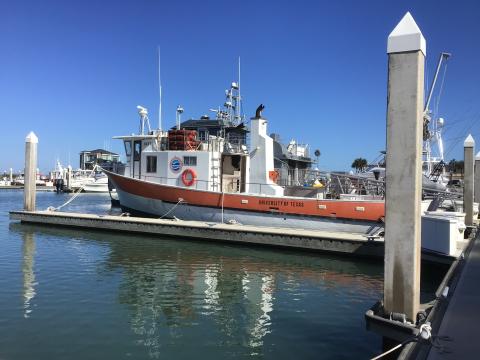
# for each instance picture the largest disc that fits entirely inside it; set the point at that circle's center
(28, 252)
(182, 292)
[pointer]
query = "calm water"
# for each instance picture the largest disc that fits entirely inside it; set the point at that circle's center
(71, 294)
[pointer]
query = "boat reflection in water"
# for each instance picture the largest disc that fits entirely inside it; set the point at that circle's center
(229, 292)
(164, 298)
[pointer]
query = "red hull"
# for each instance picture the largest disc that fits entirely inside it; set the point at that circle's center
(370, 210)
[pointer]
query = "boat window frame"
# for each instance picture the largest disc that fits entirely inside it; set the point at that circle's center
(187, 161)
(137, 152)
(203, 134)
(128, 148)
(151, 164)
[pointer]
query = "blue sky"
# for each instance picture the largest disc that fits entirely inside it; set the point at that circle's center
(74, 71)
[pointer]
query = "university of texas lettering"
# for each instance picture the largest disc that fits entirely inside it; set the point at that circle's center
(281, 203)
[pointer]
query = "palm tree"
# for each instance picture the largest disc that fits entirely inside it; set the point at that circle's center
(359, 164)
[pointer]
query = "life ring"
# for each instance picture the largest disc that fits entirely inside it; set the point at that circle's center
(189, 177)
(274, 175)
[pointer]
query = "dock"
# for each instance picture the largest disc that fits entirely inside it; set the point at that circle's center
(456, 330)
(454, 314)
(20, 187)
(345, 243)
(336, 242)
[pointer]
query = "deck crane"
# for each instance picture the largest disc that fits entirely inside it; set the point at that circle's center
(432, 130)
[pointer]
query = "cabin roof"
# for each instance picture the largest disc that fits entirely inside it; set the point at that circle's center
(210, 123)
(102, 151)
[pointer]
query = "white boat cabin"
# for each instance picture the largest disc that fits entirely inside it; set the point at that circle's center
(180, 158)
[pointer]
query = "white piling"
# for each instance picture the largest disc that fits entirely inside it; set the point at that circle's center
(11, 176)
(30, 176)
(476, 182)
(406, 57)
(468, 187)
(69, 178)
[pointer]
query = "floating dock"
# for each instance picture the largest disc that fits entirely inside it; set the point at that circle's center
(337, 242)
(454, 313)
(312, 240)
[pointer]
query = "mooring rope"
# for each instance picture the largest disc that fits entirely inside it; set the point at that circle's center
(52, 208)
(222, 204)
(180, 200)
(424, 333)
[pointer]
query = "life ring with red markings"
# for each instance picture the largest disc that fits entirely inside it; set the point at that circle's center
(189, 177)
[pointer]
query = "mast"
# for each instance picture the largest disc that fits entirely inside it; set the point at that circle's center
(160, 94)
(445, 56)
(239, 109)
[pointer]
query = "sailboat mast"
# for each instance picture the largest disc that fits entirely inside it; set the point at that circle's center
(160, 94)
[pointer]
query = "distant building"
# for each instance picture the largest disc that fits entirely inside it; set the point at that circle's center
(104, 158)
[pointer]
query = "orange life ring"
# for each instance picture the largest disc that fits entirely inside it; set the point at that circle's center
(189, 177)
(273, 175)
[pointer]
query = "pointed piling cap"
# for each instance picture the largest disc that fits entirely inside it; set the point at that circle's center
(477, 157)
(469, 142)
(406, 37)
(31, 138)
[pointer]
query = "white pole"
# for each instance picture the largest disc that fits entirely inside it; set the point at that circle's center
(160, 94)
(29, 190)
(468, 185)
(476, 182)
(406, 61)
(239, 106)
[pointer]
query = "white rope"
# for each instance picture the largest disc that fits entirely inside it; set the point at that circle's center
(424, 332)
(222, 205)
(388, 352)
(180, 200)
(51, 208)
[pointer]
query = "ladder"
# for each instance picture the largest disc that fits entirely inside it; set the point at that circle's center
(215, 174)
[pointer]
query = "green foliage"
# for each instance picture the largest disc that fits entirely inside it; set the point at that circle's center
(359, 164)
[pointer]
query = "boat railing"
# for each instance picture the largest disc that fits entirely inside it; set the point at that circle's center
(332, 185)
(335, 183)
(235, 186)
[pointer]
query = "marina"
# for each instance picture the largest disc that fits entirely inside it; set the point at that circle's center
(216, 237)
(149, 295)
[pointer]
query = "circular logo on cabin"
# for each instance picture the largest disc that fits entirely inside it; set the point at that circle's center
(176, 164)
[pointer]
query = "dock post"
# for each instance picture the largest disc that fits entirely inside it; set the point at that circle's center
(476, 182)
(11, 176)
(406, 59)
(69, 178)
(468, 186)
(30, 176)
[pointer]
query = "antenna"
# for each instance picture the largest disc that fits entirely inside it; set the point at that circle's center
(160, 94)
(179, 114)
(143, 112)
(239, 106)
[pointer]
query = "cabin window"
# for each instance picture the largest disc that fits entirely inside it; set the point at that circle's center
(203, 134)
(190, 160)
(151, 164)
(128, 148)
(137, 149)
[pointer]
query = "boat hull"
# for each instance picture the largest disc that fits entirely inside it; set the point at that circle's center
(149, 199)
